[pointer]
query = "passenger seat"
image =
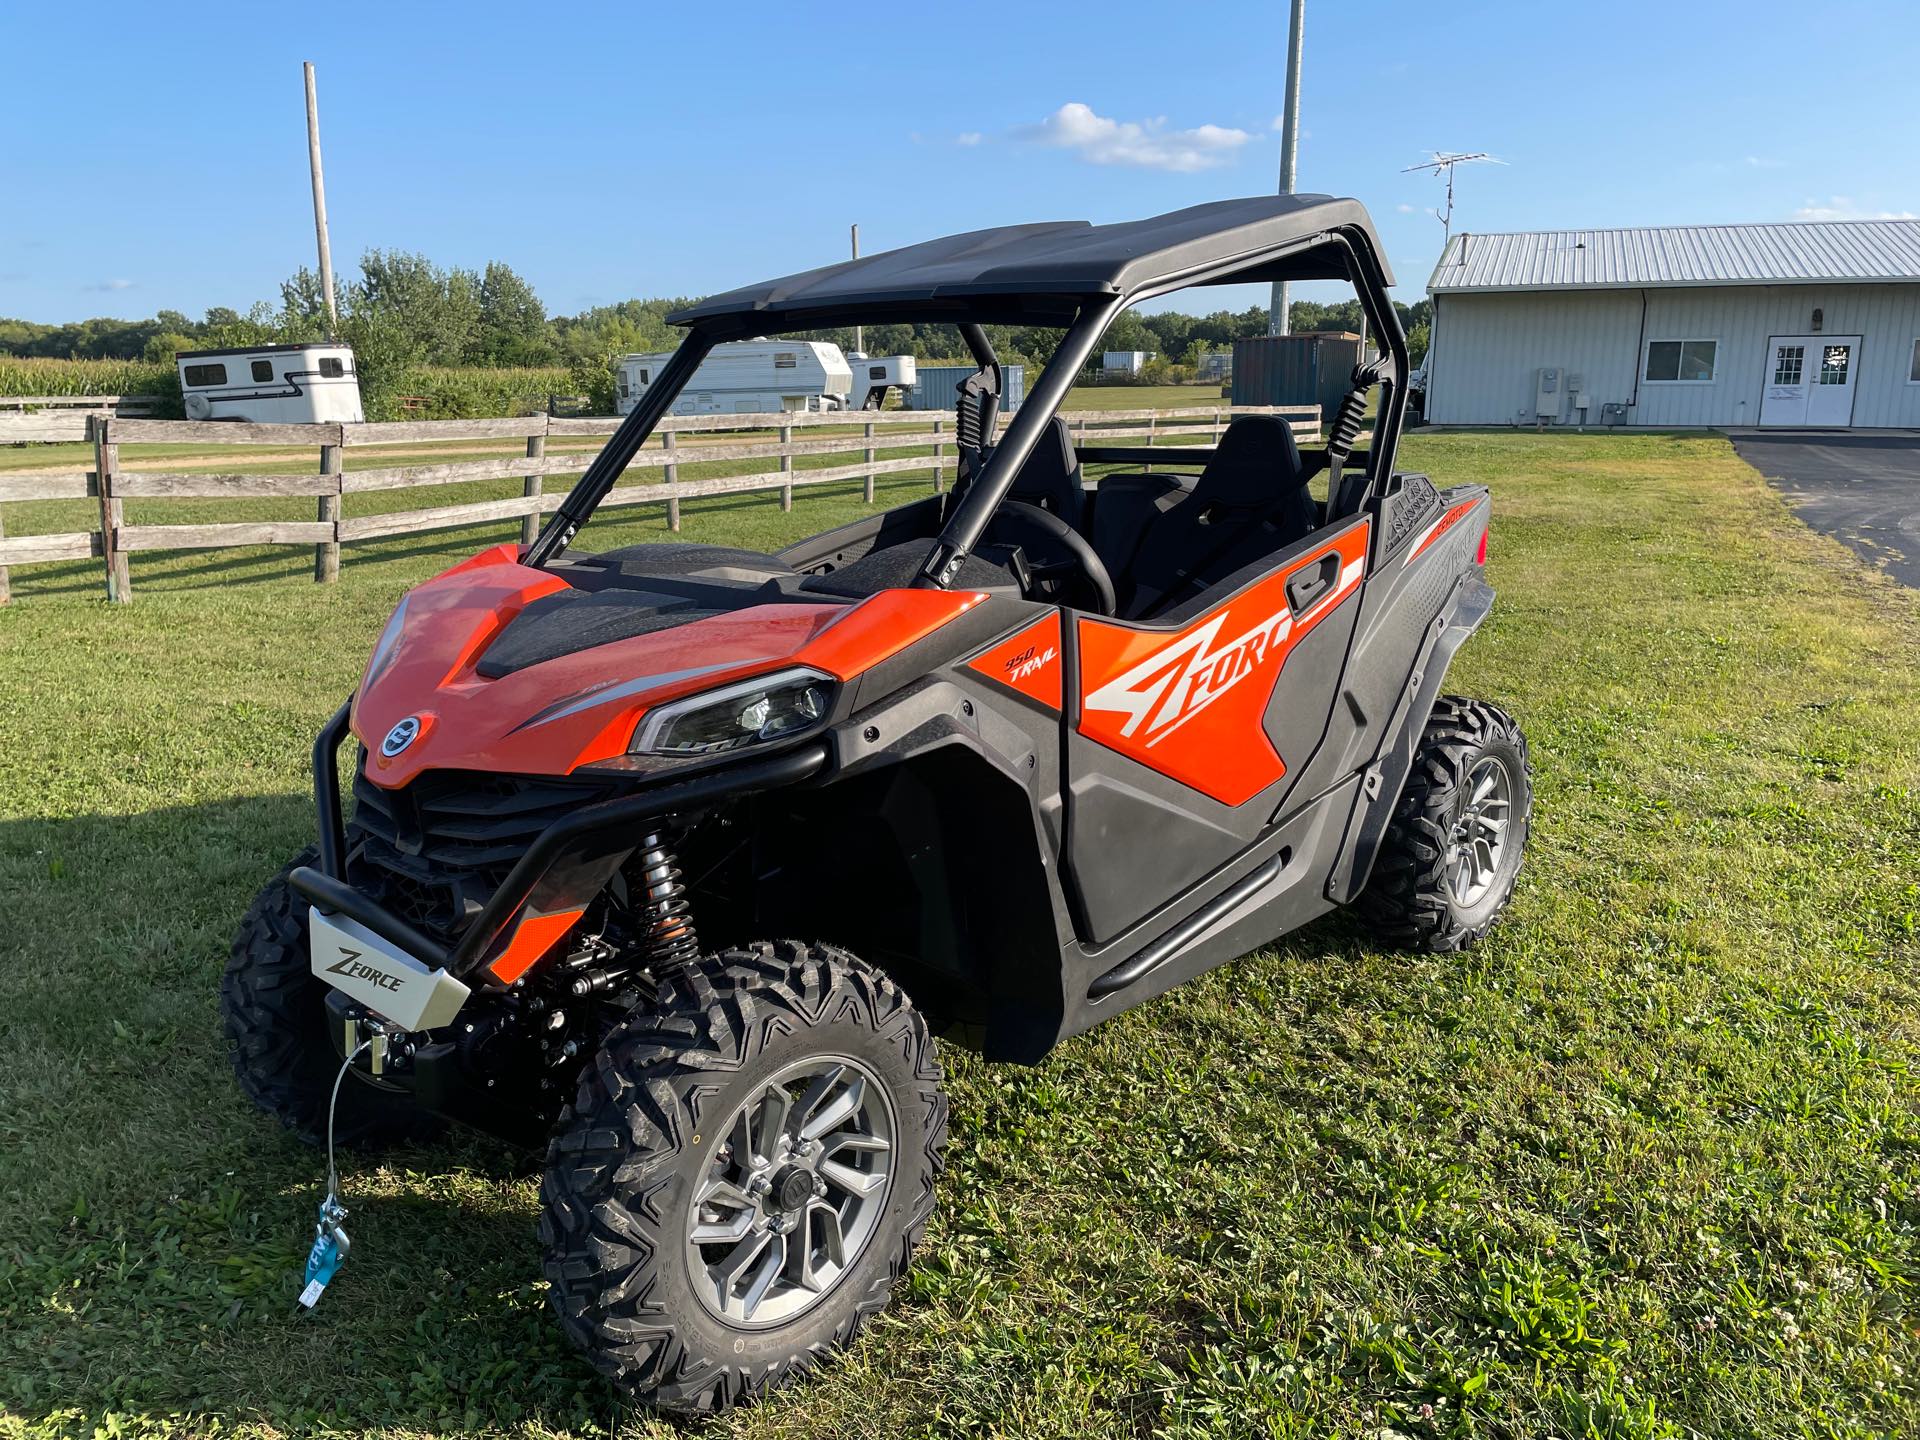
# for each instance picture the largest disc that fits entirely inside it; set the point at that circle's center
(1250, 500)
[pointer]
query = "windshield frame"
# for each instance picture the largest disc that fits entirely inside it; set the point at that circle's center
(969, 519)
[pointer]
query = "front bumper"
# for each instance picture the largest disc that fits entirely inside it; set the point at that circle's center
(591, 833)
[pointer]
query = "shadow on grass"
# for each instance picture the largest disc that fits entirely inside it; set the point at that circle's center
(153, 1226)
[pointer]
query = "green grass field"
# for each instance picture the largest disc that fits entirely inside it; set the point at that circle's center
(1643, 1166)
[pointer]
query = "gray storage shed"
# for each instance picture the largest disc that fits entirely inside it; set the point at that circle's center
(1312, 368)
(935, 387)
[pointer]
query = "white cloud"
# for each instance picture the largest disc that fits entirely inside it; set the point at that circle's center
(109, 285)
(1147, 144)
(1763, 162)
(1839, 207)
(1405, 209)
(967, 137)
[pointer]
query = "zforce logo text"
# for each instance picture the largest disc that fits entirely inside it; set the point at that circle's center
(354, 968)
(1173, 685)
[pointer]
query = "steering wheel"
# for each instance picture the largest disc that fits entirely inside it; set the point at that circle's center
(1017, 522)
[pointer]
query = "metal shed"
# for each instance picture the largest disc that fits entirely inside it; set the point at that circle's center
(1801, 324)
(1314, 368)
(935, 387)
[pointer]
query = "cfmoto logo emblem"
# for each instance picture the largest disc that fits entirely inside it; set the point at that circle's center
(401, 736)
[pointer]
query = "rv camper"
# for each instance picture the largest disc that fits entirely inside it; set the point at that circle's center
(748, 377)
(271, 384)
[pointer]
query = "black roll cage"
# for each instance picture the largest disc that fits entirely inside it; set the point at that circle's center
(1093, 314)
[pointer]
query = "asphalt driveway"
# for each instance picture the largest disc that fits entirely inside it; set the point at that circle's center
(1863, 490)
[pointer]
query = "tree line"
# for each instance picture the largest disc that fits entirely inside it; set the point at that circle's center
(402, 311)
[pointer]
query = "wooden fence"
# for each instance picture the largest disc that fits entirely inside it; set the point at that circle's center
(64, 417)
(864, 437)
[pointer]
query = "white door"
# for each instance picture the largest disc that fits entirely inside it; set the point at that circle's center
(1809, 380)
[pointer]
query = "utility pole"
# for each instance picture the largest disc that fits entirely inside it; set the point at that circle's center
(859, 337)
(1278, 322)
(320, 203)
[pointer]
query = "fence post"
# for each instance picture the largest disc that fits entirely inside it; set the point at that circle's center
(106, 459)
(6, 587)
(671, 440)
(531, 486)
(786, 467)
(326, 555)
(1152, 420)
(869, 462)
(939, 455)
(1216, 424)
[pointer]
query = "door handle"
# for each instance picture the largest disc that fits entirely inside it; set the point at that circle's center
(1313, 582)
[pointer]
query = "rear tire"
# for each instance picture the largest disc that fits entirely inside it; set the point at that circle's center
(273, 1010)
(652, 1157)
(1444, 874)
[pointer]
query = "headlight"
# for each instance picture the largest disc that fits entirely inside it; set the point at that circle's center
(768, 707)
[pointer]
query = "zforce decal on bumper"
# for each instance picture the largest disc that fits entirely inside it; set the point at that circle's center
(1192, 705)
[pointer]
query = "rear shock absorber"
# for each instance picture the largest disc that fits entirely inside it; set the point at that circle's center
(666, 919)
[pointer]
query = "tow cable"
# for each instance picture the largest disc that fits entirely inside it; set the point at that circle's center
(330, 1243)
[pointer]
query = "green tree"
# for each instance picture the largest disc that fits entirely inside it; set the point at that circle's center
(512, 327)
(420, 310)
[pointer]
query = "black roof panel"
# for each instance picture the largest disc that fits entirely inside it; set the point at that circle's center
(1048, 268)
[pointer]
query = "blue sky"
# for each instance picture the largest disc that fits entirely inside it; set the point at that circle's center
(155, 156)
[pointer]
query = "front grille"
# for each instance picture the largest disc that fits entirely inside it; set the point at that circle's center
(436, 849)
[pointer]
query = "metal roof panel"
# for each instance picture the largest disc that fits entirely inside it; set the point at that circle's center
(1791, 252)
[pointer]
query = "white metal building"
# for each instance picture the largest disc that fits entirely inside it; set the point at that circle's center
(1800, 324)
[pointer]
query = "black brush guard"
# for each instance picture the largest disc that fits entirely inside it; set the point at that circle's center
(589, 833)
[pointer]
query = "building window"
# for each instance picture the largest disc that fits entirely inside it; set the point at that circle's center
(1681, 361)
(877, 372)
(1833, 364)
(206, 374)
(332, 367)
(643, 378)
(1787, 361)
(785, 360)
(262, 371)
(1913, 365)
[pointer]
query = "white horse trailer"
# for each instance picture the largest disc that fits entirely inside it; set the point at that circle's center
(874, 375)
(271, 384)
(746, 377)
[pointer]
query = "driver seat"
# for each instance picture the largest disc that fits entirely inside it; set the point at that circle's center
(1250, 500)
(1051, 478)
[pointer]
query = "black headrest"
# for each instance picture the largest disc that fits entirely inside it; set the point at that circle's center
(1050, 478)
(1255, 463)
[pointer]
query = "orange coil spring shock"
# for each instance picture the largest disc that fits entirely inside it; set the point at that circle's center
(667, 920)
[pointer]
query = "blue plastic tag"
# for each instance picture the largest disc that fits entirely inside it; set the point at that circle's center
(329, 1251)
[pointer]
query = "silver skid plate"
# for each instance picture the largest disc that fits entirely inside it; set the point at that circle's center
(380, 975)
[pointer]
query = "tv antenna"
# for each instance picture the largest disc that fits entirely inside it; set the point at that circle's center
(1443, 163)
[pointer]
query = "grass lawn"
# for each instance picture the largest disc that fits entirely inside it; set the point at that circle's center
(1644, 1165)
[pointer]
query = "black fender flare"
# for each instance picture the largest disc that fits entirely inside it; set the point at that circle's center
(1382, 781)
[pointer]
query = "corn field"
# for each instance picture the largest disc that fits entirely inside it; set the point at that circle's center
(426, 392)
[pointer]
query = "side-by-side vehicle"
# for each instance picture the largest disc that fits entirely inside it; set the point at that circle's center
(1009, 760)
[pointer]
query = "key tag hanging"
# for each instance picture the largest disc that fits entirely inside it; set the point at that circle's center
(330, 1243)
(329, 1252)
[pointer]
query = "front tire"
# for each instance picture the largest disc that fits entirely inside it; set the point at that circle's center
(1452, 851)
(743, 1174)
(274, 1013)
